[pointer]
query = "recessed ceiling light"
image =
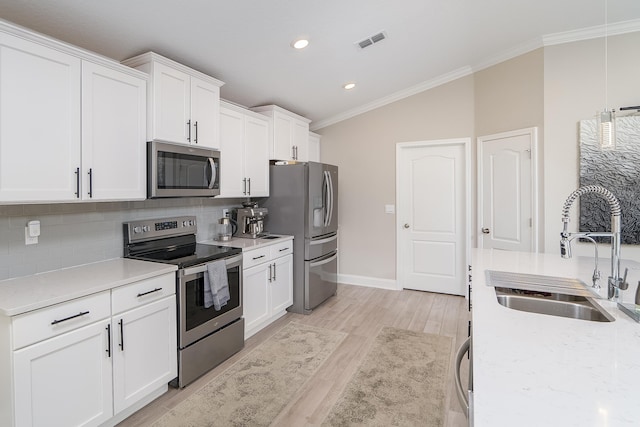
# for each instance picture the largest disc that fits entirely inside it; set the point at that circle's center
(349, 86)
(300, 43)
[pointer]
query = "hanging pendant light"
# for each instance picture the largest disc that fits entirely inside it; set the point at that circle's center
(606, 118)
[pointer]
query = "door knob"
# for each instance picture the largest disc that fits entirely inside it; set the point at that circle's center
(406, 226)
(485, 230)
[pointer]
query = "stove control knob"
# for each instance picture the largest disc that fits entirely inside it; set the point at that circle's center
(137, 229)
(185, 223)
(146, 228)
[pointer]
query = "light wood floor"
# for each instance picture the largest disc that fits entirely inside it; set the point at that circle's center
(361, 312)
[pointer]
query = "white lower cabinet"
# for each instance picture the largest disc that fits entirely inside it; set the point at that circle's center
(65, 380)
(100, 356)
(143, 358)
(267, 285)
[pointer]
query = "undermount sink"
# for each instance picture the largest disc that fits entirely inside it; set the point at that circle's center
(554, 296)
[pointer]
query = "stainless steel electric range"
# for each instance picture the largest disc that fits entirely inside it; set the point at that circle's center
(206, 336)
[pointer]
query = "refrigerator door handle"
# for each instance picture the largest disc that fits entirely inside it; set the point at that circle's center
(330, 198)
(324, 261)
(323, 241)
(327, 197)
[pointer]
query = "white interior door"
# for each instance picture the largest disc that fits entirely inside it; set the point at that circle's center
(432, 241)
(506, 205)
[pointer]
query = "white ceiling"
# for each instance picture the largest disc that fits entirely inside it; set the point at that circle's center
(246, 43)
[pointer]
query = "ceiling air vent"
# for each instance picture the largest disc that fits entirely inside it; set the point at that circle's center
(371, 40)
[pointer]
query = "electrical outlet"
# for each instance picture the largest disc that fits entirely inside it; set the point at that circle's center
(28, 240)
(389, 209)
(225, 212)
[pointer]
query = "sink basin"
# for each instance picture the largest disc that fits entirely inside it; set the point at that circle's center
(553, 304)
(269, 237)
(554, 296)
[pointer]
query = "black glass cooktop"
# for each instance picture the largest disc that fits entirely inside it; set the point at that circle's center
(187, 255)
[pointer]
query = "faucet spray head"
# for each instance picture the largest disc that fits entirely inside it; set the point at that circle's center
(565, 246)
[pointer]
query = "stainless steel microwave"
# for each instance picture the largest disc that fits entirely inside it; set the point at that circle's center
(175, 170)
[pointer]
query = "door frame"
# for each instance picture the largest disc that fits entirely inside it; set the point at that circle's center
(466, 143)
(532, 132)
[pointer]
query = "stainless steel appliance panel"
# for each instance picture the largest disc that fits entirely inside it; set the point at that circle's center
(210, 351)
(322, 196)
(318, 247)
(175, 170)
(322, 281)
(196, 321)
(300, 194)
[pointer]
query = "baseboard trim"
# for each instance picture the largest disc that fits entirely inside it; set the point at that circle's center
(371, 282)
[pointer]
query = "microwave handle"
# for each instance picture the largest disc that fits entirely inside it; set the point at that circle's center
(214, 172)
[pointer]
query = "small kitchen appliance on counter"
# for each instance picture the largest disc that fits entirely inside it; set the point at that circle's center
(250, 220)
(206, 335)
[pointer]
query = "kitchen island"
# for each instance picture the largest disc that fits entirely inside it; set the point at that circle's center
(532, 369)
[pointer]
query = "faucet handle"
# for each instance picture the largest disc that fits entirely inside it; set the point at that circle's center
(623, 284)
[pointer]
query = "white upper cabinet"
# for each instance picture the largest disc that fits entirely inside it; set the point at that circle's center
(314, 147)
(184, 104)
(244, 148)
(72, 123)
(290, 134)
(39, 122)
(113, 134)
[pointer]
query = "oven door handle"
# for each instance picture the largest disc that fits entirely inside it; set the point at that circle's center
(203, 267)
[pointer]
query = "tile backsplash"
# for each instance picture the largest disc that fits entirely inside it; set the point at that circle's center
(81, 233)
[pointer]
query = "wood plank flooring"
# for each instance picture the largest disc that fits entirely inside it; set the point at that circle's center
(361, 312)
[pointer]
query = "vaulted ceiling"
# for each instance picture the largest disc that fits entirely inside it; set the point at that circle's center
(247, 43)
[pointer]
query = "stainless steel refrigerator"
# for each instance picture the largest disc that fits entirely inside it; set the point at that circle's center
(303, 202)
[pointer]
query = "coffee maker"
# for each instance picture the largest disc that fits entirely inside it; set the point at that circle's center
(250, 220)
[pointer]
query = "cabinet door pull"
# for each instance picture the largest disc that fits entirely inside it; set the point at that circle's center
(283, 249)
(274, 271)
(189, 127)
(249, 185)
(121, 323)
(195, 126)
(141, 294)
(108, 350)
(77, 183)
(90, 182)
(257, 257)
(270, 273)
(244, 185)
(82, 313)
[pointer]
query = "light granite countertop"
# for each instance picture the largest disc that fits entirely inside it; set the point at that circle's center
(22, 294)
(248, 244)
(538, 370)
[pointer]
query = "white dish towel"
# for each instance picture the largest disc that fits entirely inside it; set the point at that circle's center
(216, 285)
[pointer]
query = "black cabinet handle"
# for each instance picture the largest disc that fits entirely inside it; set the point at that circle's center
(121, 323)
(189, 127)
(257, 257)
(77, 183)
(283, 249)
(274, 271)
(82, 313)
(195, 126)
(108, 350)
(149, 292)
(90, 183)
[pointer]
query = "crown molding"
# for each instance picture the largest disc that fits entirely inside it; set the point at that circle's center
(397, 96)
(547, 40)
(592, 32)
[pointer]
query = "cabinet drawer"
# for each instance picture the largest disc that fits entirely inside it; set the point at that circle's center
(142, 292)
(255, 257)
(48, 322)
(281, 249)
